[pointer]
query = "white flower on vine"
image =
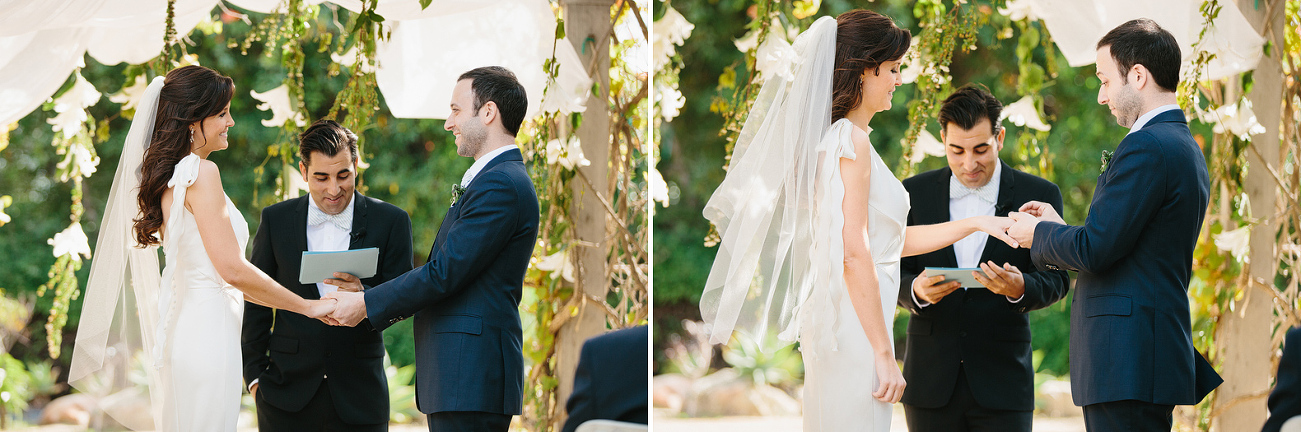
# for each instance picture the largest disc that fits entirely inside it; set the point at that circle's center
(669, 100)
(1022, 9)
(926, 145)
(1236, 242)
(71, 107)
(1236, 118)
(659, 190)
(77, 161)
(5, 201)
(558, 264)
(775, 58)
(71, 241)
(1023, 113)
(277, 101)
(670, 31)
(350, 58)
(130, 95)
(568, 153)
(748, 42)
(912, 66)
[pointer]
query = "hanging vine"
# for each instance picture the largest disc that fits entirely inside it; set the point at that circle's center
(556, 154)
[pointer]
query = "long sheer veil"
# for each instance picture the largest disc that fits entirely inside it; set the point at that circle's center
(110, 358)
(765, 208)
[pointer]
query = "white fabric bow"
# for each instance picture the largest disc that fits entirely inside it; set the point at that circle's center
(343, 219)
(958, 190)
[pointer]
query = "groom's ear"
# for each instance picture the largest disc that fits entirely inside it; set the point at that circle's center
(302, 169)
(489, 113)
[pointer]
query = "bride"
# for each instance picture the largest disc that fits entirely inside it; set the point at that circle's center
(185, 323)
(812, 223)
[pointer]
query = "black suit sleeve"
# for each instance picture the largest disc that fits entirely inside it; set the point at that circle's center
(1285, 399)
(1043, 288)
(398, 259)
(581, 406)
(257, 318)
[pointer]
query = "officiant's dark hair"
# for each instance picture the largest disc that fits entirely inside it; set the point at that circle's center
(189, 94)
(498, 85)
(1143, 42)
(864, 40)
(328, 138)
(967, 105)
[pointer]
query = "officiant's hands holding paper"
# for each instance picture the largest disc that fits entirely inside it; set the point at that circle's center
(345, 282)
(1006, 279)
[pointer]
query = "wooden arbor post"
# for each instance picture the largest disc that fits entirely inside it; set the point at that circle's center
(1244, 334)
(587, 25)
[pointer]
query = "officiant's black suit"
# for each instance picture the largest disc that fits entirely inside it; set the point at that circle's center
(291, 355)
(974, 332)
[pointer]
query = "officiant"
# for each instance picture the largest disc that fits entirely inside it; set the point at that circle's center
(968, 360)
(304, 374)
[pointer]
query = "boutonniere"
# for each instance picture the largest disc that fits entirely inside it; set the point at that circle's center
(1106, 159)
(457, 191)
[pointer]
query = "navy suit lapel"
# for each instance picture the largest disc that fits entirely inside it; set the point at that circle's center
(942, 212)
(359, 207)
(1005, 205)
(298, 242)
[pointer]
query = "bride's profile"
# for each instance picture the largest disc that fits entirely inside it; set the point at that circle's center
(181, 327)
(812, 223)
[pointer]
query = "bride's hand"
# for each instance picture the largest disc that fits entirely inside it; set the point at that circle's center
(996, 227)
(320, 308)
(892, 382)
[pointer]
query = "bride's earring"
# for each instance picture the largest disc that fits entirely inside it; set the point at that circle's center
(191, 136)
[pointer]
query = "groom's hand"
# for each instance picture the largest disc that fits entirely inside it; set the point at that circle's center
(351, 308)
(1043, 211)
(1023, 228)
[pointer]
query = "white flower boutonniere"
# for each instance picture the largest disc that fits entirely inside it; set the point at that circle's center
(1106, 159)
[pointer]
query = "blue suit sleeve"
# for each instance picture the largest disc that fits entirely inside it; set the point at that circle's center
(473, 241)
(1045, 287)
(581, 406)
(1121, 209)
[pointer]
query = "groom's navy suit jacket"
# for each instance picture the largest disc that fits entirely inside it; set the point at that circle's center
(975, 328)
(469, 342)
(1130, 325)
(289, 354)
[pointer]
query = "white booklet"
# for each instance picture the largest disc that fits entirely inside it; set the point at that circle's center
(951, 274)
(319, 266)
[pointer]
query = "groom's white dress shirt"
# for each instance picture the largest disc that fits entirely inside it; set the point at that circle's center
(965, 202)
(1142, 120)
(483, 162)
(328, 233)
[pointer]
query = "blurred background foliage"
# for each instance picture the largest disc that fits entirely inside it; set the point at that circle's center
(693, 152)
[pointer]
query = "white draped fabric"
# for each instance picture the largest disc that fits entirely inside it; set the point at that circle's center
(42, 43)
(1077, 25)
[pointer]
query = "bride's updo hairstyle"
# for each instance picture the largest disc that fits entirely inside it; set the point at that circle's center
(864, 40)
(190, 94)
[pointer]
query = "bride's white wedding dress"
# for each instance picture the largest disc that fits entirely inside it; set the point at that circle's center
(779, 216)
(839, 362)
(198, 353)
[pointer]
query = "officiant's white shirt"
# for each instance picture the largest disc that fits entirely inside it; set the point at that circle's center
(482, 162)
(969, 249)
(328, 237)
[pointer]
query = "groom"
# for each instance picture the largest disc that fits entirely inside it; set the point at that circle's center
(469, 343)
(1132, 356)
(305, 375)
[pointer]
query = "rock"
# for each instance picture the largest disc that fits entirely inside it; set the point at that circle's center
(73, 409)
(1056, 398)
(726, 393)
(670, 391)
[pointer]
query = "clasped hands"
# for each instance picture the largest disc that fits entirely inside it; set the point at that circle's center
(345, 307)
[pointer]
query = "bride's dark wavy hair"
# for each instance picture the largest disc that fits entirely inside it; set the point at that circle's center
(864, 40)
(190, 94)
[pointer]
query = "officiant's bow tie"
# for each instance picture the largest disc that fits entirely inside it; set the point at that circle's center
(957, 190)
(343, 220)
